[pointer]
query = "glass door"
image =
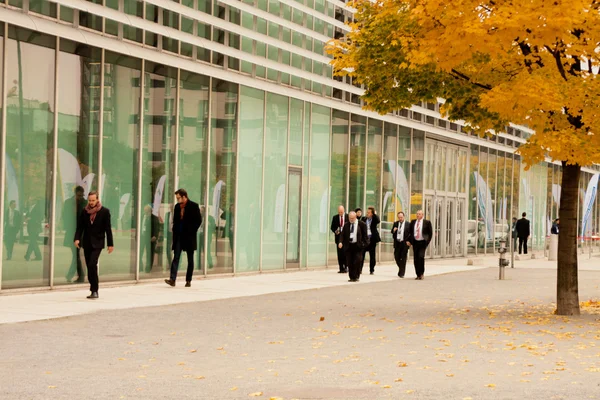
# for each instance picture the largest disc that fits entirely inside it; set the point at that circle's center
(293, 218)
(450, 227)
(459, 227)
(438, 229)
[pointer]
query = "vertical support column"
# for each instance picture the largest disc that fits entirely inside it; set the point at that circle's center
(308, 175)
(262, 182)
(208, 248)
(237, 169)
(138, 212)
(381, 195)
(287, 183)
(302, 199)
(176, 144)
(329, 184)
(52, 221)
(477, 203)
(3, 144)
(348, 158)
(366, 164)
(101, 127)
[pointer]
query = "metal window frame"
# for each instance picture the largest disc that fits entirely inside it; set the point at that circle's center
(3, 71)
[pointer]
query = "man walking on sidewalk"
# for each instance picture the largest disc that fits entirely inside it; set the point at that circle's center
(337, 224)
(421, 233)
(186, 221)
(354, 241)
(401, 234)
(523, 232)
(94, 226)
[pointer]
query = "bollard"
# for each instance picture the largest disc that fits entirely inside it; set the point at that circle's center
(502, 262)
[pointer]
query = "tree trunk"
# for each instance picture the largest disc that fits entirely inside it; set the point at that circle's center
(567, 292)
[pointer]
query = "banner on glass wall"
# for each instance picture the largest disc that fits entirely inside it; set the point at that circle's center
(485, 204)
(158, 195)
(588, 204)
(279, 206)
(123, 204)
(12, 188)
(401, 184)
(556, 193)
(217, 199)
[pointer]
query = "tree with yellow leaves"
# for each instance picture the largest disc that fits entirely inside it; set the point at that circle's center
(529, 62)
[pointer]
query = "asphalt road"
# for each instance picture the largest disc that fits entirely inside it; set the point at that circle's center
(455, 336)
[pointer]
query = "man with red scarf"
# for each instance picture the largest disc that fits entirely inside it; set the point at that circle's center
(94, 226)
(186, 222)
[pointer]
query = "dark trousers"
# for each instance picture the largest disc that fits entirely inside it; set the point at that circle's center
(419, 248)
(372, 260)
(75, 265)
(400, 255)
(10, 237)
(522, 245)
(354, 260)
(175, 264)
(91, 260)
(341, 255)
(33, 247)
(148, 249)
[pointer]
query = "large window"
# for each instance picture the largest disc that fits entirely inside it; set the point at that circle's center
(417, 171)
(30, 61)
(120, 151)
(339, 162)
(358, 137)
(374, 164)
(252, 108)
(221, 184)
(79, 95)
(394, 185)
(472, 225)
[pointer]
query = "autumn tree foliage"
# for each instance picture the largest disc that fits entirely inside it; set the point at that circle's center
(529, 62)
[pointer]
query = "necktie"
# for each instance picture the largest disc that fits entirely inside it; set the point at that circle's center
(352, 228)
(342, 223)
(418, 229)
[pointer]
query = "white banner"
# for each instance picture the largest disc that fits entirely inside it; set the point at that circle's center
(158, 195)
(485, 204)
(217, 199)
(588, 204)
(12, 187)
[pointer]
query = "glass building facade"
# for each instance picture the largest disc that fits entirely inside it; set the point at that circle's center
(235, 102)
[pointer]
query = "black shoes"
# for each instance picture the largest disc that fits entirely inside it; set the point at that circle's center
(188, 284)
(170, 282)
(341, 272)
(400, 276)
(94, 295)
(372, 273)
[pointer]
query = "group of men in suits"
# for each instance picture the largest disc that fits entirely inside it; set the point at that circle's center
(356, 235)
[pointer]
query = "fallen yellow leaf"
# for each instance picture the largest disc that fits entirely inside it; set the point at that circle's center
(233, 388)
(491, 385)
(51, 387)
(193, 351)
(387, 387)
(256, 394)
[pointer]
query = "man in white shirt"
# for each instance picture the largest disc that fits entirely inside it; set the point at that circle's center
(401, 234)
(337, 224)
(421, 233)
(354, 241)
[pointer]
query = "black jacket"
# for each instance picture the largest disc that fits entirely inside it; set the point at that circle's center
(192, 219)
(375, 238)
(154, 227)
(406, 232)
(335, 225)
(426, 231)
(94, 234)
(555, 229)
(362, 240)
(523, 228)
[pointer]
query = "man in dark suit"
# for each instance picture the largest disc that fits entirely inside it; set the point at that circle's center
(354, 241)
(337, 224)
(421, 233)
(94, 226)
(70, 215)
(186, 222)
(401, 234)
(555, 227)
(523, 232)
(372, 222)
(150, 229)
(12, 226)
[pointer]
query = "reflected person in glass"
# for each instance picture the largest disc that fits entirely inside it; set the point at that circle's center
(72, 209)
(12, 225)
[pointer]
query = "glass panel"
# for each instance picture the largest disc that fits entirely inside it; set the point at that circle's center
(66, 14)
(374, 164)
(319, 185)
(496, 231)
(193, 146)
(43, 7)
(222, 171)
(78, 129)
(120, 159)
(501, 202)
(416, 186)
(305, 184)
(30, 60)
(403, 172)
(390, 194)
(484, 227)
(339, 162)
(274, 191)
(89, 20)
(252, 107)
(293, 218)
(358, 133)
(296, 119)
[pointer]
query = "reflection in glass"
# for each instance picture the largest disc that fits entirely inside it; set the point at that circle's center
(120, 140)
(339, 162)
(358, 137)
(395, 187)
(252, 104)
(78, 128)
(221, 185)
(30, 60)
(374, 164)
(416, 185)
(472, 226)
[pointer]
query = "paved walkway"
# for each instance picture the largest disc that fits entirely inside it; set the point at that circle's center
(24, 307)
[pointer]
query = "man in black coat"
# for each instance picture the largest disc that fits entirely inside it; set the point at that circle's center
(401, 234)
(523, 233)
(186, 222)
(94, 225)
(354, 241)
(421, 233)
(12, 225)
(337, 224)
(555, 227)
(372, 222)
(71, 212)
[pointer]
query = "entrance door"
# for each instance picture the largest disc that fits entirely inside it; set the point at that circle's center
(293, 218)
